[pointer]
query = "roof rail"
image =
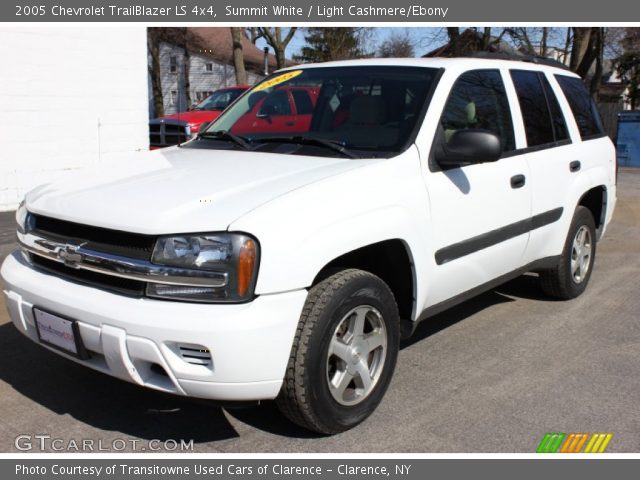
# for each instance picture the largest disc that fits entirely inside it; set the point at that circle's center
(517, 57)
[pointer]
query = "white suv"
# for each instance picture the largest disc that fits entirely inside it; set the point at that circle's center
(284, 252)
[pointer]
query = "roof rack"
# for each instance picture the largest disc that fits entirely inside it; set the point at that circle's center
(517, 57)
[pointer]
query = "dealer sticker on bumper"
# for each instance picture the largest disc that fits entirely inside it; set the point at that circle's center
(56, 331)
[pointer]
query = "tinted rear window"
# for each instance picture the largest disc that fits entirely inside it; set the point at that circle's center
(533, 105)
(582, 105)
(559, 125)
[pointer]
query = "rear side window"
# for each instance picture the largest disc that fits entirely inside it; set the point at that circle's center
(543, 120)
(478, 101)
(582, 106)
(560, 130)
(533, 105)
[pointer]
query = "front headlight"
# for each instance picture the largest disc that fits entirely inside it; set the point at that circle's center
(231, 253)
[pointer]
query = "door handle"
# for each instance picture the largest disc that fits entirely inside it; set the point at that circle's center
(518, 181)
(290, 124)
(575, 166)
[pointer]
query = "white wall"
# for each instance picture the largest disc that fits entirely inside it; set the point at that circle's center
(69, 97)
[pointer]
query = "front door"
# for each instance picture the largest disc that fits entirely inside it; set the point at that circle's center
(479, 212)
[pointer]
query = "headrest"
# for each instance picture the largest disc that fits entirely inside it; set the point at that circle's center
(368, 110)
(470, 110)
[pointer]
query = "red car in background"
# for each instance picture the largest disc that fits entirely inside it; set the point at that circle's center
(180, 127)
(285, 110)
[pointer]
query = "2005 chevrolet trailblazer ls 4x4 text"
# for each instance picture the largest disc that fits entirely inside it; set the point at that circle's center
(254, 263)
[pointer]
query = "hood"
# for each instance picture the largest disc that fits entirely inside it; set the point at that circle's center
(179, 190)
(194, 118)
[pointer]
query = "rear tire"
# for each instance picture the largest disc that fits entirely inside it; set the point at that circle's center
(570, 277)
(344, 353)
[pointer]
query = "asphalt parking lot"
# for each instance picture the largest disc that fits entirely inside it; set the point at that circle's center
(492, 375)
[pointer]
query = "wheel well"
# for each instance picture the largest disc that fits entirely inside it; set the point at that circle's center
(388, 260)
(596, 200)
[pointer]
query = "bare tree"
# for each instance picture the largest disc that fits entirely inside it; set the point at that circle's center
(582, 50)
(238, 55)
(273, 37)
(521, 39)
(454, 40)
(397, 45)
(543, 42)
(153, 45)
(187, 45)
(628, 64)
(254, 34)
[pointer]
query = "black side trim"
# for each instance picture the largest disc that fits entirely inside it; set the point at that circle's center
(543, 263)
(485, 240)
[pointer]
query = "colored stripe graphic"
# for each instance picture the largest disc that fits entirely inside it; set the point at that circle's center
(581, 443)
(550, 443)
(598, 443)
(573, 442)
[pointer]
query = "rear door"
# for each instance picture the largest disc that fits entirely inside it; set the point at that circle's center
(478, 211)
(551, 156)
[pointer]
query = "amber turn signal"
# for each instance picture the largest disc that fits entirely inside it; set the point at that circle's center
(246, 264)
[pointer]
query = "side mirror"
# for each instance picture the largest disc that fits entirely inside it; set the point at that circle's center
(467, 147)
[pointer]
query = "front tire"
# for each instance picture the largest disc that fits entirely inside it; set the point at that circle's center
(570, 277)
(344, 353)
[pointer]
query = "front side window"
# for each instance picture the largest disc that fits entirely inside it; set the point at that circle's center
(370, 111)
(478, 101)
(582, 106)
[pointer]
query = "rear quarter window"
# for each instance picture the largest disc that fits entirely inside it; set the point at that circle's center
(582, 106)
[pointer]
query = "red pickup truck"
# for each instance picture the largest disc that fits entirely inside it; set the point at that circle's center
(180, 127)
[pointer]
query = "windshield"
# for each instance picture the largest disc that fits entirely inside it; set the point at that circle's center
(219, 100)
(372, 110)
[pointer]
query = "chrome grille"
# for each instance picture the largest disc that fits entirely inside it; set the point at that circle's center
(116, 242)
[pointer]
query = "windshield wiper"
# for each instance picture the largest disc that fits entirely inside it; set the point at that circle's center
(226, 135)
(305, 140)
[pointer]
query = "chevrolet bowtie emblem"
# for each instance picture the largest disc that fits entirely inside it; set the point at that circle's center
(70, 256)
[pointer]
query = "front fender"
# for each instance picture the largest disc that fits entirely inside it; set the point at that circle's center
(301, 232)
(307, 252)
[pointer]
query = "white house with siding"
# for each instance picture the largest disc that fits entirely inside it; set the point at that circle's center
(210, 67)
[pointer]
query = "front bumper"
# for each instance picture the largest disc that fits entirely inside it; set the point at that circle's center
(130, 338)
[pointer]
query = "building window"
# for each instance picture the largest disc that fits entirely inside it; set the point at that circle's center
(208, 67)
(173, 64)
(173, 98)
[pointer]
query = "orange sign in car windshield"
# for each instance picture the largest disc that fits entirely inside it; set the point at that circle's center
(277, 80)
